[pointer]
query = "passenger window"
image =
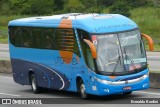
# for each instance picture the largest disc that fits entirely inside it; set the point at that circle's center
(37, 38)
(25, 36)
(49, 38)
(15, 36)
(66, 41)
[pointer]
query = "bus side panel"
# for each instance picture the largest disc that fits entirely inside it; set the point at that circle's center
(17, 69)
(21, 70)
(46, 77)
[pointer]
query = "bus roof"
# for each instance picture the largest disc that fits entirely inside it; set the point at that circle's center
(93, 23)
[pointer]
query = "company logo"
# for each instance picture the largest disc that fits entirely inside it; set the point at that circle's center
(21, 101)
(6, 101)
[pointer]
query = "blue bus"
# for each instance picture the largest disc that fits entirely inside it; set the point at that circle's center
(92, 54)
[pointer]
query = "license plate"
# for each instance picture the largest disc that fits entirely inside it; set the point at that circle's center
(127, 88)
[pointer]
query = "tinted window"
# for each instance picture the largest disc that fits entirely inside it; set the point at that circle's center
(44, 38)
(15, 36)
(37, 38)
(41, 38)
(25, 37)
(66, 40)
(49, 39)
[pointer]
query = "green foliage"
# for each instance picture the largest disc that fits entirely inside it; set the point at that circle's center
(37, 7)
(94, 10)
(137, 3)
(32, 7)
(58, 5)
(96, 6)
(156, 3)
(148, 21)
(45, 7)
(73, 6)
(4, 10)
(17, 5)
(120, 7)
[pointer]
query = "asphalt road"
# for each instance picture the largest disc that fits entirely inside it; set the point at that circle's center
(153, 57)
(9, 89)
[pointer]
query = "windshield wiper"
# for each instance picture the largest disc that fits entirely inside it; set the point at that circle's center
(132, 62)
(117, 62)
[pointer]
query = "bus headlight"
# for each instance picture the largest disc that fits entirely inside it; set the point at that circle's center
(102, 81)
(123, 82)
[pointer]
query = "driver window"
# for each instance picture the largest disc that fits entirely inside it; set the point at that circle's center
(85, 48)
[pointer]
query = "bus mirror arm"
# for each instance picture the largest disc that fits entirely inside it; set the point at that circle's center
(150, 41)
(92, 48)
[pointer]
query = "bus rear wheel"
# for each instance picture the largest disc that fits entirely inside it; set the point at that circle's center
(82, 90)
(34, 84)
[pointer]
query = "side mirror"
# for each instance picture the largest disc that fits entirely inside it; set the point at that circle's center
(92, 48)
(150, 41)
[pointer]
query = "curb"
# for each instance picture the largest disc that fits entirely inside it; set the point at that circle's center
(5, 67)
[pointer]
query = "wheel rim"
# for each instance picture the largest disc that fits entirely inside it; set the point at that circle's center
(33, 83)
(83, 90)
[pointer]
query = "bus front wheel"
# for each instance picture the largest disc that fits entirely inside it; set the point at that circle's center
(82, 90)
(34, 84)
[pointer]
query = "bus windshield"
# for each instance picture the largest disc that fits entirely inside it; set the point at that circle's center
(120, 52)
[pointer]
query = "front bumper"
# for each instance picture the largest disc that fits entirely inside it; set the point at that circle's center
(102, 86)
(107, 89)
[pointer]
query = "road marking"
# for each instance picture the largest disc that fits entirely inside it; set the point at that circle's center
(6, 77)
(10, 94)
(148, 93)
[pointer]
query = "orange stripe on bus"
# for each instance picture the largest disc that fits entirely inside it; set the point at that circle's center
(66, 55)
(65, 23)
(112, 77)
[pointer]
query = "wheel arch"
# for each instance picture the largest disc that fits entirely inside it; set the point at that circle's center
(78, 78)
(29, 75)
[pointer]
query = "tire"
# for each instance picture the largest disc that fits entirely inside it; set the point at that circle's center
(34, 84)
(127, 93)
(82, 90)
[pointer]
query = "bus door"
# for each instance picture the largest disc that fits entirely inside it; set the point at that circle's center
(87, 59)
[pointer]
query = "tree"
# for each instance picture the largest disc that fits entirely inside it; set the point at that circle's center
(17, 5)
(4, 7)
(73, 6)
(137, 3)
(96, 5)
(38, 7)
(58, 5)
(156, 3)
(120, 7)
(32, 7)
